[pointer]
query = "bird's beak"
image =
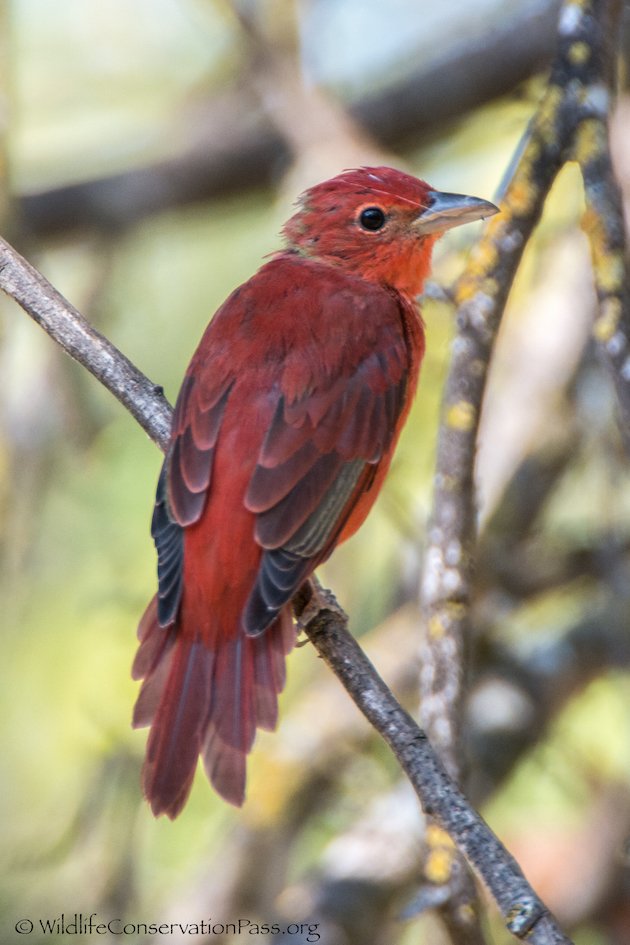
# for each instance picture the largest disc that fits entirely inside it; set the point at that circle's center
(447, 210)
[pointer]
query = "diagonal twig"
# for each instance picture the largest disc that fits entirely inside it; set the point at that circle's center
(526, 916)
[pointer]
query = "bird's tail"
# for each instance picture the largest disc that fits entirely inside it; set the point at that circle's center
(204, 700)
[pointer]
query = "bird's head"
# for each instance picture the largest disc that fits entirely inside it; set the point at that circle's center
(379, 223)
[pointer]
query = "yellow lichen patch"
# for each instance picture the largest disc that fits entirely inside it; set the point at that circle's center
(609, 272)
(486, 254)
(608, 264)
(467, 287)
(592, 225)
(530, 154)
(606, 323)
(546, 121)
(482, 261)
(436, 627)
(579, 53)
(590, 140)
(550, 104)
(593, 228)
(439, 624)
(440, 856)
(521, 196)
(466, 913)
(461, 416)
(456, 610)
(490, 286)
(477, 367)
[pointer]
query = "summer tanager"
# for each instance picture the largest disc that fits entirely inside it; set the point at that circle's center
(283, 433)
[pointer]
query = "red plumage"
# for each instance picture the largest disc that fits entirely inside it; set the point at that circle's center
(282, 435)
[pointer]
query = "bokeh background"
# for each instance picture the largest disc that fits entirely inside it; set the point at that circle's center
(152, 151)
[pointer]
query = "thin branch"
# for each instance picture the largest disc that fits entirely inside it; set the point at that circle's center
(573, 112)
(323, 621)
(603, 221)
(526, 916)
(480, 294)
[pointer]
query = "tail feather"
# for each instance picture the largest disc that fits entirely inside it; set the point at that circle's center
(153, 644)
(270, 650)
(225, 766)
(152, 663)
(233, 707)
(203, 701)
(265, 702)
(177, 730)
(150, 693)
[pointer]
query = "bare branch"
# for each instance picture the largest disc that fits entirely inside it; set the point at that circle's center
(525, 914)
(480, 294)
(569, 112)
(573, 111)
(603, 221)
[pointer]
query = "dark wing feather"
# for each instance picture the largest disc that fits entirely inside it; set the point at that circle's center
(169, 542)
(196, 424)
(183, 486)
(276, 525)
(281, 573)
(314, 534)
(269, 485)
(319, 455)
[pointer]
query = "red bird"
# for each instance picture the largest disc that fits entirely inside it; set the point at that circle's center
(283, 433)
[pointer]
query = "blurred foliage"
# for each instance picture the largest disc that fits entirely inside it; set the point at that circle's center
(122, 76)
(95, 88)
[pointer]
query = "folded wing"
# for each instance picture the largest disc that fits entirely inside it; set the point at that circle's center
(319, 456)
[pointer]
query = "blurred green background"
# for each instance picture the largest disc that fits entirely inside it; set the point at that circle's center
(121, 187)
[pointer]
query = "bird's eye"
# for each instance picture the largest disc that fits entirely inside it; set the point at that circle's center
(372, 218)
